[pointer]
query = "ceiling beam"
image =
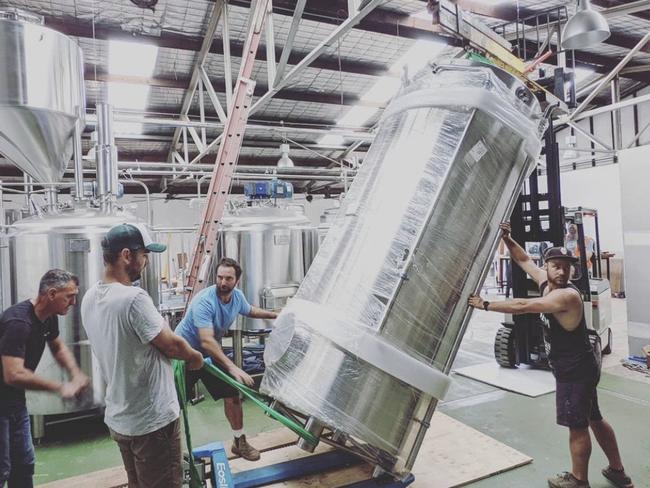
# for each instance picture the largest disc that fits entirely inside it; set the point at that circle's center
(335, 12)
(157, 157)
(623, 6)
(172, 113)
(509, 12)
(249, 142)
(93, 73)
(199, 59)
(84, 29)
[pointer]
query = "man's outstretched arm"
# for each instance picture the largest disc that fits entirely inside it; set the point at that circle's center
(519, 256)
(556, 301)
(260, 313)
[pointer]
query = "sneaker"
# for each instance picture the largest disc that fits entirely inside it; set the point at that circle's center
(567, 480)
(241, 447)
(618, 478)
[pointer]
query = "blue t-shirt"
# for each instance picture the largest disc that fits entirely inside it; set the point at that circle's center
(207, 310)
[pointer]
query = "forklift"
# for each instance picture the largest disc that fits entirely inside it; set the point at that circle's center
(538, 222)
(598, 309)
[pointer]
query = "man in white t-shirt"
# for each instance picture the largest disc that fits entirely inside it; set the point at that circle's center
(133, 346)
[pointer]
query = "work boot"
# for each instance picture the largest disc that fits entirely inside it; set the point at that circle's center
(241, 447)
(567, 480)
(618, 478)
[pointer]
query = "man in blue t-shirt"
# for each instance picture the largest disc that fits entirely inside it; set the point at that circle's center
(208, 317)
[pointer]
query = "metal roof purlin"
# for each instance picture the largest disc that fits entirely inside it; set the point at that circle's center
(609, 77)
(213, 23)
(340, 31)
(288, 45)
(227, 157)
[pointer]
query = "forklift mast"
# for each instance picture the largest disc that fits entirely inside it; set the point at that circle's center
(538, 216)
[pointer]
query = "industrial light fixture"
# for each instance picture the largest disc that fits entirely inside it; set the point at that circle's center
(586, 28)
(285, 161)
(150, 4)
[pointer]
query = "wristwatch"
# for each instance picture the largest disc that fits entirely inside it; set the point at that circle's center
(486, 304)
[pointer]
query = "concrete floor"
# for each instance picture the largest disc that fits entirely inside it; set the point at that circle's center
(526, 424)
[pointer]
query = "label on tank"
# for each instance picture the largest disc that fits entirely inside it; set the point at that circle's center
(478, 151)
(79, 245)
(281, 239)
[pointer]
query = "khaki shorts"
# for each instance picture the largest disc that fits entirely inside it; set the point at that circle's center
(152, 460)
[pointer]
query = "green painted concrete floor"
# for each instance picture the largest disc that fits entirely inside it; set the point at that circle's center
(526, 424)
(83, 446)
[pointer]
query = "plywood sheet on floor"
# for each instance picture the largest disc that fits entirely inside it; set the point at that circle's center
(452, 455)
(524, 379)
(114, 477)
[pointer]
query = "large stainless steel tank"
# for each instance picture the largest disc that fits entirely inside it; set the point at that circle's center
(41, 95)
(275, 247)
(365, 345)
(70, 240)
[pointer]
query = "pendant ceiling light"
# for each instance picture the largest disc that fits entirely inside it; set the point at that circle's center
(285, 161)
(585, 29)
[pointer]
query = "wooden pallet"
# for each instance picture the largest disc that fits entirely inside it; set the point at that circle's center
(452, 455)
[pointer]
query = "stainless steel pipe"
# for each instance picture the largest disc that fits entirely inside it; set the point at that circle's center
(106, 157)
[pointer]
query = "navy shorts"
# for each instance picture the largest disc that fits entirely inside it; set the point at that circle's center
(577, 404)
(217, 388)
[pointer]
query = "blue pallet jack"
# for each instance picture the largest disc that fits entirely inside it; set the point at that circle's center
(222, 477)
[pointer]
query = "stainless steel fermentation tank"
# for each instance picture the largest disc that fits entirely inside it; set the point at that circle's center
(275, 247)
(365, 346)
(42, 109)
(69, 240)
(41, 95)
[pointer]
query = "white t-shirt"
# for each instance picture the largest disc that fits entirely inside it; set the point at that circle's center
(120, 322)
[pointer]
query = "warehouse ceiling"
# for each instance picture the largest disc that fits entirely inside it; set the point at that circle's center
(326, 111)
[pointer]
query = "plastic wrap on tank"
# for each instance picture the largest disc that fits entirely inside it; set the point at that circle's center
(366, 344)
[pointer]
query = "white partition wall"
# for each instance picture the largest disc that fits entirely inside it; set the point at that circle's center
(635, 206)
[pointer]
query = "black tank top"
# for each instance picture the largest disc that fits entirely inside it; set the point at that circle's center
(571, 354)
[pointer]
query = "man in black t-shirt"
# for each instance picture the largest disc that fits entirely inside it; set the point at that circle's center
(25, 328)
(572, 360)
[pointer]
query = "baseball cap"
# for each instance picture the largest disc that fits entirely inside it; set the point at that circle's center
(130, 236)
(559, 253)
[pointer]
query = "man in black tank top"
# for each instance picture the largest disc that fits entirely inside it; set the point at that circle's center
(572, 360)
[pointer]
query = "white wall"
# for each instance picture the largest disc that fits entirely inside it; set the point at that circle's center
(635, 175)
(597, 188)
(603, 128)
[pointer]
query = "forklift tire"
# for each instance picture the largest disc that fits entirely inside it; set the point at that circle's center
(608, 348)
(504, 348)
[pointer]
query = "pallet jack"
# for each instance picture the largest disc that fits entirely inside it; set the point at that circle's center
(214, 456)
(221, 475)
